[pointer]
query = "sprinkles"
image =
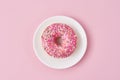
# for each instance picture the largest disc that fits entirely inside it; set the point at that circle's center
(59, 40)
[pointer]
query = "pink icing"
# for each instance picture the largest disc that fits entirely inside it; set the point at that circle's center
(59, 40)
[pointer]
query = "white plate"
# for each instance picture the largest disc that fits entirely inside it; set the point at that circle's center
(63, 62)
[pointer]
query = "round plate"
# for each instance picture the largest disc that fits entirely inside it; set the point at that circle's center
(60, 63)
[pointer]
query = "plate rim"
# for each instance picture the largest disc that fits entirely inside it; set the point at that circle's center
(36, 53)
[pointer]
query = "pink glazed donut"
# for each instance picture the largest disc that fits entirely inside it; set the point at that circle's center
(59, 40)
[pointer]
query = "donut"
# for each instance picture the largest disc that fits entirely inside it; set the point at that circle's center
(59, 40)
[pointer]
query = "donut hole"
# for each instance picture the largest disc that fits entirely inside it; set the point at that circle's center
(58, 41)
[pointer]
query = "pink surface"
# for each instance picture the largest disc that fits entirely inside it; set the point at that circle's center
(19, 20)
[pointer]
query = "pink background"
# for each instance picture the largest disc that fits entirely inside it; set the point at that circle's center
(20, 18)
